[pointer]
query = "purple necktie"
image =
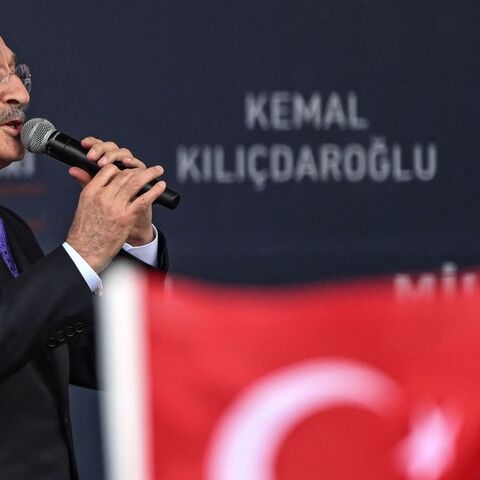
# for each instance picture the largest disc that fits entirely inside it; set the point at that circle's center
(6, 252)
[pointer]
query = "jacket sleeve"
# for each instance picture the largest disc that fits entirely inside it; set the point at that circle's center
(82, 347)
(39, 310)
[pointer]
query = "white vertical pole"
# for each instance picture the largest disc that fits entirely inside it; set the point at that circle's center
(121, 363)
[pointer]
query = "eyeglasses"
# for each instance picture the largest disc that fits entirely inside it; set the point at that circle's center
(22, 71)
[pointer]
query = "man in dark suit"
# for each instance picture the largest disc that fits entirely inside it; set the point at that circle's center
(46, 317)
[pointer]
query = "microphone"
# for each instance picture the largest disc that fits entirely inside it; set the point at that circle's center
(38, 135)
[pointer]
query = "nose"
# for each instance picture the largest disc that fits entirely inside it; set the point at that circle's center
(14, 93)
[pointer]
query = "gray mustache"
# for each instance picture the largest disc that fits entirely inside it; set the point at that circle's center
(11, 114)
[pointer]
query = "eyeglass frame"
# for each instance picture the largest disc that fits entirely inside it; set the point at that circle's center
(22, 71)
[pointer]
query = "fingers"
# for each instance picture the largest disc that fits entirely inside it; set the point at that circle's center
(104, 177)
(144, 201)
(132, 162)
(80, 175)
(105, 153)
(123, 185)
(88, 142)
(130, 182)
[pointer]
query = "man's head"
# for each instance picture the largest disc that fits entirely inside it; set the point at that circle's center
(13, 97)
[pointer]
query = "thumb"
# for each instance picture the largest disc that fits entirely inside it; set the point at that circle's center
(80, 175)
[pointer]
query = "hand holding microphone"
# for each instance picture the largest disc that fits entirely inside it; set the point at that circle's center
(40, 136)
(115, 205)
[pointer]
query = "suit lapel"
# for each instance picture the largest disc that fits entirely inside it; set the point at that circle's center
(22, 255)
(4, 271)
(18, 254)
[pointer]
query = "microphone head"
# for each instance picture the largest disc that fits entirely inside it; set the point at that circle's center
(35, 134)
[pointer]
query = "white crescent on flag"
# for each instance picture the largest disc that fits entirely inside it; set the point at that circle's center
(251, 431)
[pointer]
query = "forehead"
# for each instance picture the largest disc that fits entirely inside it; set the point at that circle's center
(6, 55)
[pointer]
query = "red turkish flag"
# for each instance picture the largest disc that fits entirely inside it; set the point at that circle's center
(334, 382)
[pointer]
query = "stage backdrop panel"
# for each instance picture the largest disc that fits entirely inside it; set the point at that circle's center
(309, 141)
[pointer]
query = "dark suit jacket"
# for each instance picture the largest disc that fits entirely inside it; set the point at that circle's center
(46, 327)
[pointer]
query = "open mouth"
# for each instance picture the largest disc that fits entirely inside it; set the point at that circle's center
(15, 126)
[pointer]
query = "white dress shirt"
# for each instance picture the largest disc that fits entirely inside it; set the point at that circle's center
(147, 253)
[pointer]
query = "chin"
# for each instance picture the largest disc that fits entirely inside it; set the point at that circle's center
(9, 155)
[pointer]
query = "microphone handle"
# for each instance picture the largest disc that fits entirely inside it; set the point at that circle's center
(70, 151)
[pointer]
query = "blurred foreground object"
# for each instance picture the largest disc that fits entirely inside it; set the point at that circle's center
(334, 382)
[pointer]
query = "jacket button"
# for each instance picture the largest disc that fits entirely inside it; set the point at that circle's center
(79, 327)
(61, 336)
(52, 342)
(70, 331)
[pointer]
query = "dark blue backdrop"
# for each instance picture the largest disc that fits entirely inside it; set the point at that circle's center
(309, 140)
